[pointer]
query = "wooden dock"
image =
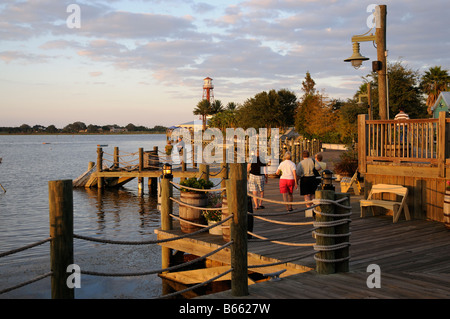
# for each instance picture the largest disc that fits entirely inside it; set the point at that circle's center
(413, 256)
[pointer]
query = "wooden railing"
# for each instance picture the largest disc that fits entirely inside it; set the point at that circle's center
(421, 141)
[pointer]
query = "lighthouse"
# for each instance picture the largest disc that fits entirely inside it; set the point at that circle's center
(208, 90)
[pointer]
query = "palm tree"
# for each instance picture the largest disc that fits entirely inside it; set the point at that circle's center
(204, 109)
(216, 107)
(434, 81)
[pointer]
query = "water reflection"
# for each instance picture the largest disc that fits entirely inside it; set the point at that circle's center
(119, 209)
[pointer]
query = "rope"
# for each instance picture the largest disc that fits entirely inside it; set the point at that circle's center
(332, 223)
(26, 283)
(285, 237)
(283, 262)
(151, 272)
(331, 247)
(196, 286)
(215, 174)
(280, 242)
(284, 213)
(279, 202)
(284, 223)
(331, 260)
(197, 189)
(25, 247)
(149, 242)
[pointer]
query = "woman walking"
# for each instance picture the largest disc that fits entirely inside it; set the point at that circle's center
(288, 179)
(308, 182)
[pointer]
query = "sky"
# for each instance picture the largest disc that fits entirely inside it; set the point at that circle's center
(144, 61)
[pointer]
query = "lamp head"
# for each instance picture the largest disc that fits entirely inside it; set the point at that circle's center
(356, 59)
(327, 180)
(167, 170)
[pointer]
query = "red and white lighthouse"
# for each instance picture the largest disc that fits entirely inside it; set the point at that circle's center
(208, 90)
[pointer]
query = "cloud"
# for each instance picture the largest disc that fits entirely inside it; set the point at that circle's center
(95, 74)
(245, 46)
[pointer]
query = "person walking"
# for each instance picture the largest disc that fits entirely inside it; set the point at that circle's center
(308, 181)
(288, 179)
(256, 180)
(319, 159)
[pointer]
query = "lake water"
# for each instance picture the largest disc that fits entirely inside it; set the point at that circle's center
(29, 162)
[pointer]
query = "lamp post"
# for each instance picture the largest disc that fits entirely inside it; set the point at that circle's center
(380, 65)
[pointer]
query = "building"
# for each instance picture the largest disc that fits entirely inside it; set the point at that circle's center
(442, 104)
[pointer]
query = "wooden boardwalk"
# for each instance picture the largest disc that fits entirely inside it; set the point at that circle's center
(414, 258)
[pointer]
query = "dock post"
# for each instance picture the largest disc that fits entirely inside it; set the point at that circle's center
(99, 167)
(141, 168)
(116, 157)
(61, 233)
(237, 205)
(153, 181)
(343, 253)
(166, 220)
(204, 171)
(324, 265)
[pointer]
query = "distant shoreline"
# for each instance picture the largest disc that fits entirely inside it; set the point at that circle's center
(84, 133)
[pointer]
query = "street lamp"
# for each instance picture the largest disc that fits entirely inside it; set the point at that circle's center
(380, 66)
(356, 59)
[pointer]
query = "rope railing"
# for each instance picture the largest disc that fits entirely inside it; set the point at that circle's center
(197, 285)
(342, 220)
(17, 250)
(157, 271)
(178, 186)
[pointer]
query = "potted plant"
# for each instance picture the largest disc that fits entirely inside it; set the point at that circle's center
(193, 198)
(213, 216)
(347, 165)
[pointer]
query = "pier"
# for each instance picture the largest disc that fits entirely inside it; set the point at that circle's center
(283, 256)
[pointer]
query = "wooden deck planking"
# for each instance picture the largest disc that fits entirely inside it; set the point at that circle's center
(413, 256)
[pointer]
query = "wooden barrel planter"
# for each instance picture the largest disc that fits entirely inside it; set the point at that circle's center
(192, 214)
(226, 227)
(447, 209)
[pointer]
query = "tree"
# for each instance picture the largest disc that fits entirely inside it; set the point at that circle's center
(404, 91)
(308, 86)
(131, 127)
(347, 125)
(223, 120)
(51, 129)
(316, 115)
(433, 82)
(216, 107)
(204, 109)
(268, 109)
(232, 106)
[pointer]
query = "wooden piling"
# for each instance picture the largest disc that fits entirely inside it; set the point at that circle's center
(61, 233)
(322, 265)
(99, 167)
(153, 181)
(116, 157)
(237, 205)
(204, 171)
(166, 220)
(343, 253)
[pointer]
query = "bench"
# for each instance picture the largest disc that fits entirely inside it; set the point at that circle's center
(396, 206)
